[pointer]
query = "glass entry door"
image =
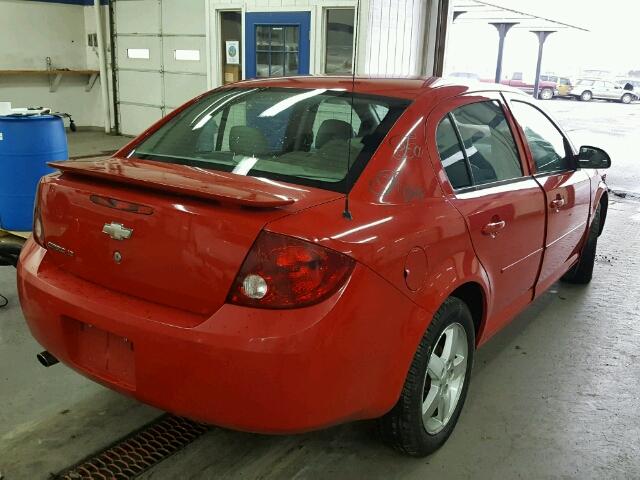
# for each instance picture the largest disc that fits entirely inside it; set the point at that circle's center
(277, 44)
(277, 50)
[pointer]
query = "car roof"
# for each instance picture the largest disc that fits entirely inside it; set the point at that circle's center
(403, 87)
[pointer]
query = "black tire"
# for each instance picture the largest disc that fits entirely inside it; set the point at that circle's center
(9, 253)
(586, 96)
(582, 272)
(403, 428)
(546, 94)
(626, 98)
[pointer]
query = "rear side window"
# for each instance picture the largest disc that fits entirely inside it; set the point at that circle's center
(548, 146)
(451, 155)
(295, 135)
(488, 147)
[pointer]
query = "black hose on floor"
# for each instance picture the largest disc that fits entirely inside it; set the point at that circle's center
(9, 253)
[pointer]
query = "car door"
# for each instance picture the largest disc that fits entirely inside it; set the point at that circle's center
(479, 164)
(600, 89)
(567, 189)
(607, 91)
(614, 90)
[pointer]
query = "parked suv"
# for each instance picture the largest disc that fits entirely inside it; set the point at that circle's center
(587, 89)
(563, 84)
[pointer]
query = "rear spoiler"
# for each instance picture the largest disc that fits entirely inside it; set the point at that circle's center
(178, 179)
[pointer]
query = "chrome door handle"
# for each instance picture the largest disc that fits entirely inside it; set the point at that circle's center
(557, 204)
(492, 229)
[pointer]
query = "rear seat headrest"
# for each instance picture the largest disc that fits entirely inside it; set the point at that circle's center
(248, 141)
(333, 130)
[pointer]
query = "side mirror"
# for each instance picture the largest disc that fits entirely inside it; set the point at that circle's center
(593, 157)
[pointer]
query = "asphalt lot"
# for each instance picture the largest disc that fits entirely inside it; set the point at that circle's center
(612, 126)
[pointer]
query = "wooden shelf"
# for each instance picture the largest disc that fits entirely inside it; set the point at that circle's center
(55, 76)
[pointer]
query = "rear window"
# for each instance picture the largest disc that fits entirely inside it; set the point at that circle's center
(296, 135)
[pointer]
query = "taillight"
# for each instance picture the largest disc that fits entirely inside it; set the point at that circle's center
(284, 272)
(38, 229)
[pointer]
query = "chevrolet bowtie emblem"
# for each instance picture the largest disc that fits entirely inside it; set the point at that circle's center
(117, 231)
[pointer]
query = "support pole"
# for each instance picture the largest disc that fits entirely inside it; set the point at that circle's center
(542, 36)
(503, 28)
(104, 83)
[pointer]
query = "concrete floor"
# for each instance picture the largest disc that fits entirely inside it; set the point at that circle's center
(87, 143)
(555, 395)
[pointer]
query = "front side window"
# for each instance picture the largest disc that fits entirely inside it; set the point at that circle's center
(548, 146)
(488, 149)
(339, 30)
(301, 136)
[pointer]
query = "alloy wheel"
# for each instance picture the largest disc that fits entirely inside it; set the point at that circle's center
(446, 372)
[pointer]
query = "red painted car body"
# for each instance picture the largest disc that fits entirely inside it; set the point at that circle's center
(158, 326)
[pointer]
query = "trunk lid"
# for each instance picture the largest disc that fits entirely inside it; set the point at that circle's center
(170, 234)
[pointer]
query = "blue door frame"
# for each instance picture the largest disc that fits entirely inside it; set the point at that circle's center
(300, 19)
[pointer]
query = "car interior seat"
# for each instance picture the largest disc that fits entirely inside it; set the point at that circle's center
(333, 129)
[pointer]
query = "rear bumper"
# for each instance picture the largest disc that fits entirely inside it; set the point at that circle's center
(255, 370)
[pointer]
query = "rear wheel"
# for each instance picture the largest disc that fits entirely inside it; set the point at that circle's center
(626, 98)
(586, 96)
(546, 94)
(582, 272)
(436, 385)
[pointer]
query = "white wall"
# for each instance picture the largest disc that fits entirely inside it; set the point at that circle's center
(396, 34)
(31, 31)
(392, 34)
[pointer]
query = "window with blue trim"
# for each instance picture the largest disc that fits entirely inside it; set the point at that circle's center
(277, 50)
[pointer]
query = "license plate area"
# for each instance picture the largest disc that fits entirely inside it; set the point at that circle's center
(103, 354)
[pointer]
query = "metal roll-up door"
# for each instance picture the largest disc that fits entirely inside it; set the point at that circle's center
(161, 59)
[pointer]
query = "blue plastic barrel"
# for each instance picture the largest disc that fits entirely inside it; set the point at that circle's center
(27, 143)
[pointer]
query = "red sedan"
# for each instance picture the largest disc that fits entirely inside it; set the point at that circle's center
(283, 255)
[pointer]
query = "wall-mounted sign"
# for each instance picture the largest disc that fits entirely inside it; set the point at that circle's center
(233, 52)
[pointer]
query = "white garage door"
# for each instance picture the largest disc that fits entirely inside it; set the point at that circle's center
(161, 58)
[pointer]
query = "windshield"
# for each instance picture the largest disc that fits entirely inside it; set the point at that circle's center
(295, 135)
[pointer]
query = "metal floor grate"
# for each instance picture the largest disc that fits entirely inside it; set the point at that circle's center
(137, 452)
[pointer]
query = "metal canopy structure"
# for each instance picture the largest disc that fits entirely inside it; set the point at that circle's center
(505, 19)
